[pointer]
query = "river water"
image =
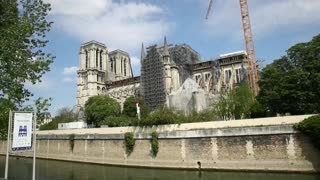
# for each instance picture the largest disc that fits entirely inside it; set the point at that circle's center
(21, 169)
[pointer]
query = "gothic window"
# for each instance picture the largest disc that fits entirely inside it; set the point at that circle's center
(87, 59)
(115, 65)
(207, 75)
(101, 59)
(125, 67)
(97, 52)
(238, 77)
(227, 76)
(111, 64)
(121, 65)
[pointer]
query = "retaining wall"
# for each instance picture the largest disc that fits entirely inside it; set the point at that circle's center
(268, 144)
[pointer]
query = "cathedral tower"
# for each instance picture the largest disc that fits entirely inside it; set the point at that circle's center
(92, 72)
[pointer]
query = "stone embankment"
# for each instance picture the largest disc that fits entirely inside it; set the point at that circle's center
(266, 144)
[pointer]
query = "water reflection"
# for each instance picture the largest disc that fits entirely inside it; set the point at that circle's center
(21, 168)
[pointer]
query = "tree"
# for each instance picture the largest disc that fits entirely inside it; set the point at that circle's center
(97, 108)
(235, 104)
(130, 109)
(291, 84)
(41, 107)
(5, 106)
(67, 113)
(23, 28)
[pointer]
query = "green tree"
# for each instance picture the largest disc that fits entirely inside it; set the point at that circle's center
(23, 28)
(41, 107)
(235, 104)
(5, 106)
(292, 83)
(98, 108)
(64, 115)
(130, 109)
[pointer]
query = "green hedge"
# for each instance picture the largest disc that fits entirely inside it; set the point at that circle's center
(311, 127)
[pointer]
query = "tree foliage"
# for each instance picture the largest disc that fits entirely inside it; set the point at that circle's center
(23, 28)
(235, 104)
(64, 115)
(311, 127)
(291, 84)
(97, 108)
(5, 106)
(130, 109)
(40, 106)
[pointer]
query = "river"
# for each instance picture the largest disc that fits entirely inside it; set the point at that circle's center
(21, 169)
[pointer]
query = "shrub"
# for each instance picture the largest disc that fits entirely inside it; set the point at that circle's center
(97, 108)
(54, 123)
(203, 116)
(119, 121)
(162, 116)
(311, 127)
(129, 142)
(130, 109)
(154, 143)
(257, 110)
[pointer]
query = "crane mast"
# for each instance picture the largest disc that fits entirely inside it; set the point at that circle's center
(248, 41)
(249, 44)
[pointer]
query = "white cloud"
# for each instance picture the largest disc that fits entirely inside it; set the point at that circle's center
(68, 80)
(266, 16)
(70, 70)
(120, 25)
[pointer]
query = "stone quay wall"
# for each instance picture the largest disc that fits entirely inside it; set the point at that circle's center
(266, 144)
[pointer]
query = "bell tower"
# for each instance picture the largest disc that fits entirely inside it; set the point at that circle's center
(92, 72)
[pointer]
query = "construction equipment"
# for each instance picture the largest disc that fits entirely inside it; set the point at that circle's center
(248, 41)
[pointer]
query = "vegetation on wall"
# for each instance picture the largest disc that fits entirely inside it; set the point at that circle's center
(311, 127)
(129, 142)
(98, 108)
(291, 84)
(154, 144)
(71, 141)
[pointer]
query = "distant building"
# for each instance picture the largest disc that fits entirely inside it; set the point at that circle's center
(164, 70)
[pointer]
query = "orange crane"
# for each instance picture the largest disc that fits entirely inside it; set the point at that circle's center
(248, 41)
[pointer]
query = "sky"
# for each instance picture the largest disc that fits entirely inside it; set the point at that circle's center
(125, 24)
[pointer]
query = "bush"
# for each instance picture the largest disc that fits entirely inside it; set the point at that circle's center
(154, 143)
(97, 108)
(130, 109)
(311, 127)
(120, 121)
(203, 116)
(54, 123)
(162, 116)
(129, 142)
(257, 110)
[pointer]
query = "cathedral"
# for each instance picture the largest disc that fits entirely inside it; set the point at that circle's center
(171, 75)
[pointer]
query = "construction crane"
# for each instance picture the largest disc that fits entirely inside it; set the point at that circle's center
(249, 45)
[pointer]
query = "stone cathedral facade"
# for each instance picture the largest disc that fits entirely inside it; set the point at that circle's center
(171, 75)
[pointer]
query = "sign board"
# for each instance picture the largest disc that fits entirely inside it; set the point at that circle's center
(22, 131)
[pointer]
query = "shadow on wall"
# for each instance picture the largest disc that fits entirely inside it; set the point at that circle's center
(304, 147)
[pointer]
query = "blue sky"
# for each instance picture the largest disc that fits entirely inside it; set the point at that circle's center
(124, 24)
